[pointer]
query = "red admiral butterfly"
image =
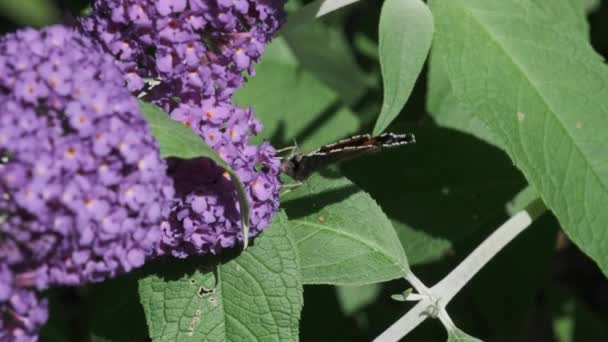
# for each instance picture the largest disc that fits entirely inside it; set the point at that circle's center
(301, 166)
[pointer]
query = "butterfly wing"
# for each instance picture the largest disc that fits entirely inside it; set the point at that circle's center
(301, 166)
(305, 165)
(356, 140)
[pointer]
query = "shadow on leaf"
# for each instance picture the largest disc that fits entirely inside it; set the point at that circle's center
(304, 206)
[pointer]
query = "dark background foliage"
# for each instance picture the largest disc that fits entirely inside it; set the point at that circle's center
(453, 188)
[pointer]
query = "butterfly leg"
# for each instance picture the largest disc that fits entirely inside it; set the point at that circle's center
(287, 188)
(288, 148)
(293, 150)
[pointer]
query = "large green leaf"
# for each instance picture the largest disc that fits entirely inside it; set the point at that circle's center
(574, 320)
(354, 298)
(343, 237)
(30, 12)
(120, 319)
(293, 105)
(440, 191)
(177, 140)
(591, 5)
(406, 31)
(540, 87)
(324, 52)
(257, 296)
(57, 328)
(448, 111)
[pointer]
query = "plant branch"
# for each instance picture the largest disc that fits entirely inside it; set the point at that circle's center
(406, 323)
(440, 295)
(417, 284)
(447, 288)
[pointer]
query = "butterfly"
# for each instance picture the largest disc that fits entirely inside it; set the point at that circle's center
(300, 166)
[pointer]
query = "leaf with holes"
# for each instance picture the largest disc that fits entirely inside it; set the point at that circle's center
(252, 297)
(542, 90)
(343, 237)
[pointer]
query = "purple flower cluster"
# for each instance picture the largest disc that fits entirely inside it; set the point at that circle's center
(23, 312)
(199, 50)
(195, 45)
(205, 215)
(82, 185)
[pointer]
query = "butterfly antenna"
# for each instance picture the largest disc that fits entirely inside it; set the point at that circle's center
(293, 150)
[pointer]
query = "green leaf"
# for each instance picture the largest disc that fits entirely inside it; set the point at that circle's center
(324, 52)
(573, 320)
(113, 311)
(591, 5)
(256, 296)
(177, 140)
(402, 297)
(277, 51)
(406, 31)
(57, 328)
(355, 298)
(543, 93)
(366, 46)
(570, 13)
(440, 191)
(457, 335)
(343, 237)
(30, 12)
(293, 105)
(448, 111)
(522, 200)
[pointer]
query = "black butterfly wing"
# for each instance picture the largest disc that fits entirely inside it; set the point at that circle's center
(301, 166)
(305, 165)
(353, 141)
